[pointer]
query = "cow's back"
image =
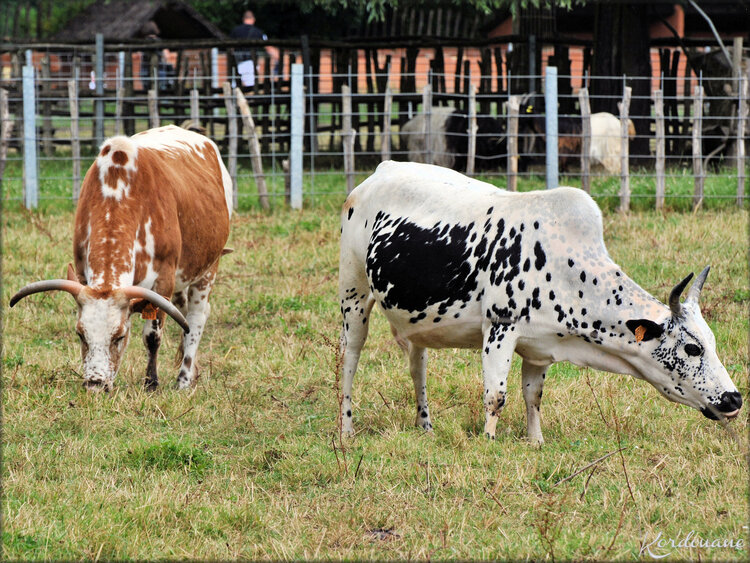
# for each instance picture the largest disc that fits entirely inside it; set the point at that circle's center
(163, 193)
(427, 193)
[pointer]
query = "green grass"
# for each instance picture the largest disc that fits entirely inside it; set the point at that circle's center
(248, 464)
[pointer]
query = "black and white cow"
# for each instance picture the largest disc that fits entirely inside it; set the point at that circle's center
(454, 262)
(449, 139)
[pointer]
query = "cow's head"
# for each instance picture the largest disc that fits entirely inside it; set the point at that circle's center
(681, 360)
(103, 324)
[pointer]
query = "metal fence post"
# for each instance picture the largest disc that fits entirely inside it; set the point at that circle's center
(550, 107)
(472, 131)
(298, 124)
(30, 163)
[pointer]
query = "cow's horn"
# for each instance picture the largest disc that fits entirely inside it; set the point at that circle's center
(694, 293)
(72, 287)
(674, 296)
(135, 292)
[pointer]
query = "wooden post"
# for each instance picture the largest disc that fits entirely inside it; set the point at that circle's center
(583, 99)
(472, 131)
(744, 91)
(231, 133)
(737, 62)
(697, 148)
(255, 156)
(99, 99)
(119, 100)
(660, 148)
(426, 124)
(5, 125)
(195, 106)
(127, 106)
(625, 152)
(513, 108)
(153, 108)
(385, 144)
(75, 141)
(347, 135)
(287, 181)
(46, 94)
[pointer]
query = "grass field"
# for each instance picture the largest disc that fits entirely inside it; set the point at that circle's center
(248, 464)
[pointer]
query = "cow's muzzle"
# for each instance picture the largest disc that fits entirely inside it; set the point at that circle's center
(97, 385)
(728, 407)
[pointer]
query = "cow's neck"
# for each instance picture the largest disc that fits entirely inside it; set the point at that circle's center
(602, 339)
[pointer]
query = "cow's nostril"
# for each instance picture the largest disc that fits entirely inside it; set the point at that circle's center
(733, 400)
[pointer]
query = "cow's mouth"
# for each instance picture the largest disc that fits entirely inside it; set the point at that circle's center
(714, 413)
(96, 386)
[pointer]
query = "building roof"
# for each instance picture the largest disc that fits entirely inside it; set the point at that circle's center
(120, 20)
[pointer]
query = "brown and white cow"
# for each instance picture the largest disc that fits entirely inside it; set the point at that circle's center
(151, 223)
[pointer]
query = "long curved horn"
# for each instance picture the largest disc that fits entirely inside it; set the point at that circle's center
(674, 296)
(72, 287)
(694, 293)
(135, 292)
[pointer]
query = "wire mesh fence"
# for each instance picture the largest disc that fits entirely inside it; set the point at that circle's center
(689, 130)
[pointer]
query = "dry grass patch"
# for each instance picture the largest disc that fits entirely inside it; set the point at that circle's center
(248, 464)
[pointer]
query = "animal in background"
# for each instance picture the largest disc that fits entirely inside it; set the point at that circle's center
(151, 224)
(449, 139)
(457, 263)
(606, 145)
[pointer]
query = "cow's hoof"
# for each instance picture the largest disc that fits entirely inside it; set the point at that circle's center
(536, 442)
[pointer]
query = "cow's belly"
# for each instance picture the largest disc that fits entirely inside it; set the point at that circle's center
(463, 332)
(539, 350)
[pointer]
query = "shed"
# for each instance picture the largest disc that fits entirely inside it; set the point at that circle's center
(120, 20)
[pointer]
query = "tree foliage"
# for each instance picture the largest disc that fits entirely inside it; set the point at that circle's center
(375, 9)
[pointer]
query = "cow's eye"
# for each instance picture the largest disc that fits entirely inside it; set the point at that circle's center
(693, 350)
(118, 340)
(80, 336)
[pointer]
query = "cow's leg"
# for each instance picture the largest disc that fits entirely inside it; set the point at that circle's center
(418, 369)
(198, 309)
(180, 300)
(356, 305)
(532, 379)
(152, 330)
(497, 353)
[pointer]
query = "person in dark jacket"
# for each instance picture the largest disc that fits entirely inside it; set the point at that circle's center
(246, 57)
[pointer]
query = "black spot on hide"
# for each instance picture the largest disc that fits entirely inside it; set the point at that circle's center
(539, 257)
(414, 267)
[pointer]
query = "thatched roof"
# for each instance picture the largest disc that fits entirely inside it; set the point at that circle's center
(120, 20)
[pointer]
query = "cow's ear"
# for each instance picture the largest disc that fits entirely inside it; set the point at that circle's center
(644, 329)
(137, 305)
